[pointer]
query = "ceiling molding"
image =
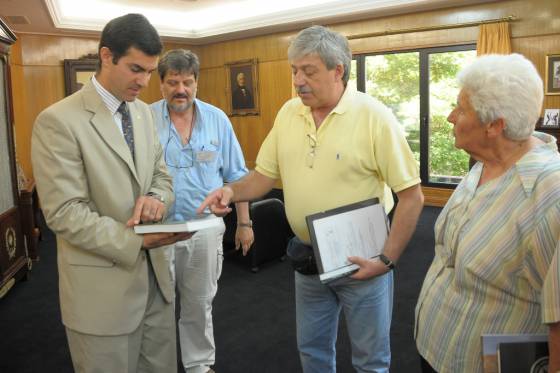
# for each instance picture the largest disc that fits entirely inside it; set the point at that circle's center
(47, 17)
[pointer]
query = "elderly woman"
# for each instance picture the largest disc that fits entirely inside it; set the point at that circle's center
(497, 235)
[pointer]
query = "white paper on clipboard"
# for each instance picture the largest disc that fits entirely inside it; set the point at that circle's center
(358, 229)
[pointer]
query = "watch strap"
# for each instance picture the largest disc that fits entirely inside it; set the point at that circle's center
(388, 262)
(248, 224)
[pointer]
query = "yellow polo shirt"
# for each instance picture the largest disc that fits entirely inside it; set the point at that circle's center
(360, 148)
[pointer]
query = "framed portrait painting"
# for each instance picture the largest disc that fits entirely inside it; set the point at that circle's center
(242, 87)
(551, 118)
(552, 81)
(78, 72)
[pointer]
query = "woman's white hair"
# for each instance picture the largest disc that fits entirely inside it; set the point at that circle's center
(507, 87)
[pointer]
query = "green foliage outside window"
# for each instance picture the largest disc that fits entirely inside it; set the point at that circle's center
(394, 79)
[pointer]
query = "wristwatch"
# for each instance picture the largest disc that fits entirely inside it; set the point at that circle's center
(249, 224)
(156, 196)
(388, 262)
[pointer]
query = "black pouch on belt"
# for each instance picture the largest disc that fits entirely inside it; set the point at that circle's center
(301, 256)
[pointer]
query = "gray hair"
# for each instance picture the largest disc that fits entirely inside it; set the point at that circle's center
(507, 87)
(179, 61)
(331, 46)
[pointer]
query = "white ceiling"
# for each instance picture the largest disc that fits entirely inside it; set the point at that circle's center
(203, 21)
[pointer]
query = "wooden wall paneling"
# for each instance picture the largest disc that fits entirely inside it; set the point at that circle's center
(535, 48)
(15, 53)
(417, 20)
(169, 45)
(275, 86)
(436, 196)
(249, 132)
(530, 14)
(265, 48)
(21, 130)
(275, 82)
(537, 17)
(212, 87)
(43, 86)
(52, 50)
(152, 92)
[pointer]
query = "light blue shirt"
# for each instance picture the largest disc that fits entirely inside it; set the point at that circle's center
(211, 157)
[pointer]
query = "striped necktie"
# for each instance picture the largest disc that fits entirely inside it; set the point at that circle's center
(127, 127)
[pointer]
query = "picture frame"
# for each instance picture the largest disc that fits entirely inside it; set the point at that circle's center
(491, 345)
(552, 74)
(242, 87)
(551, 118)
(78, 72)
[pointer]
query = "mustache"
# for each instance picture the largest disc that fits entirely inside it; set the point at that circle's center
(303, 89)
(180, 95)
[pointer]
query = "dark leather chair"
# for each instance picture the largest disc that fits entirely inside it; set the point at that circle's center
(271, 229)
(272, 232)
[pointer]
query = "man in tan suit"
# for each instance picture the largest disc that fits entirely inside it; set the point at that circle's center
(99, 170)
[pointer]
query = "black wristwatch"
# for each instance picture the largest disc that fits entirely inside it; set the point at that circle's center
(156, 196)
(388, 262)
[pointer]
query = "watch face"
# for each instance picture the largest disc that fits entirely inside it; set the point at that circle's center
(156, 196)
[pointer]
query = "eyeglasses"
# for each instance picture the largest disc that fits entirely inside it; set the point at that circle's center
(310, 159)
(184, 158)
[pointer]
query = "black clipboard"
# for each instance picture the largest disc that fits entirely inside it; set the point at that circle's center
(359, 228)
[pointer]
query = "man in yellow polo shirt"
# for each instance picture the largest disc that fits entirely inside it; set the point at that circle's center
(333, 146)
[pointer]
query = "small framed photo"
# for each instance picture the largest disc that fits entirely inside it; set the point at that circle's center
(78, 72)
(550, 119)
(242, 87)
(552, 81)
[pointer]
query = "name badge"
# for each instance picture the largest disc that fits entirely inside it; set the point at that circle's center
(206, 156)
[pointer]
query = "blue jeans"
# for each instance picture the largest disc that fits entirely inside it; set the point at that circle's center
(367, 308)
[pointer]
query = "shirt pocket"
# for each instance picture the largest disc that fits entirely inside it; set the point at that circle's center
(207, 161)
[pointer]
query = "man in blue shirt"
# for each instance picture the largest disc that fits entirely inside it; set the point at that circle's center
(201, 153)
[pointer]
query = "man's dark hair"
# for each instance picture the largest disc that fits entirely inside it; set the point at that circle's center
(131, 30)
(179, 61)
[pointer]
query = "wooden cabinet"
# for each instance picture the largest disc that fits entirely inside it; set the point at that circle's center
(14, 262)
(30, 212)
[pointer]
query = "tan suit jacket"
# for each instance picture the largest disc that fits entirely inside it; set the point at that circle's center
(88, 184)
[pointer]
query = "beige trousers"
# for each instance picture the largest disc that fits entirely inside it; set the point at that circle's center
(151, 348)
